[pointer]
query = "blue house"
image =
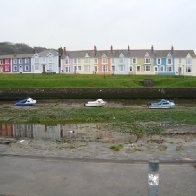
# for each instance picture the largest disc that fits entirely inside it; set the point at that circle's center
(164, 63)
(21, 63)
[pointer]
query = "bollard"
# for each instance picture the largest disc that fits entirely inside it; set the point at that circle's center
(153, 178)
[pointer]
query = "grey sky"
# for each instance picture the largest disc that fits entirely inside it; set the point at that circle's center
(81, 24)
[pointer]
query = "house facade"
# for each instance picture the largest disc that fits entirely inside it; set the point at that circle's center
(21, 63)
(45, 62)
(119, 62)
(5, 63)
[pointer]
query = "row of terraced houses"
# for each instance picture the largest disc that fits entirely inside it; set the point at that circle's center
(125, 61)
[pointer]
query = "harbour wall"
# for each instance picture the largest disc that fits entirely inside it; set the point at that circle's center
(93, 93)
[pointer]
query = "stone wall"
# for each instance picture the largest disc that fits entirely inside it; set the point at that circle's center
(104, 93)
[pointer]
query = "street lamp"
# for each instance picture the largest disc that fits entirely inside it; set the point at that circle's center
(60, 53)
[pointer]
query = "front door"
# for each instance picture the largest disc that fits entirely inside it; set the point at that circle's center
(44, 69)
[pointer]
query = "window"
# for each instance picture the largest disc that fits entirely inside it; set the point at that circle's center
(50, 66)
(36, 66)
(113, 60)
(169, 61)
(121, 60)
(147, 60)
(6, 67)
(43, 59)
(155, 69)
(1, 62)
(6, 61)
(188, 61)
(67, 61)
(121, 67)
(104, 68)
(75, 61)
(188, 69)
(36, 60)
(134, 60)
(86, 68)
(147, 68)
(79, 61)
(79, 68)
(15, 61)
(26, 60)
(95, 61)
(67, 69)
(87, 60)
(130, 68)
(113, 68)
(49, 59)
(138, 68)
(15, 68)
(180, 60)
(161, 68)
(159, 61)
(27, 68)
(20, 61)
(169, 69)
(104, 60)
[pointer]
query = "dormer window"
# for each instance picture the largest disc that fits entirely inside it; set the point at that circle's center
(121, 58)
(104, 59)
(188, 59)
(169, 59)
(159, 61)
(67, 60)
(147, 59)
(15, 61)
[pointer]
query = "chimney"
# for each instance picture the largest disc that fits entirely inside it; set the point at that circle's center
(152, 49)
(64, 49)
(172, 48)
(95, 50)
(128, 48)
(111, 49)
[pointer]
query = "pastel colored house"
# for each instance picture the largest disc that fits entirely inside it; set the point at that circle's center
(46, 62)
(5, 63)
(185, 62)
(141, 62)
(21, 63)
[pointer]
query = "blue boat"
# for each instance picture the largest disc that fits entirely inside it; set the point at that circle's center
(163, 103)
(26, 102)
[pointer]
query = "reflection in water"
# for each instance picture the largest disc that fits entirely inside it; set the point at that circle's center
(67, 132)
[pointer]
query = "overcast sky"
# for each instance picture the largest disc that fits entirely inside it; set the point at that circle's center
(81, 24)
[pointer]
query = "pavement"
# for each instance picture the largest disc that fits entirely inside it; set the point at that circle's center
(34, 176)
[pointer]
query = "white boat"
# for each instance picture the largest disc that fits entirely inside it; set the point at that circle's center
(26, 102)
(163, 103)
(97, 103)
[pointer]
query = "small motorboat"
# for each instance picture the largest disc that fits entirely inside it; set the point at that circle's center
(163, 103)
(26, 102)
(97, 103)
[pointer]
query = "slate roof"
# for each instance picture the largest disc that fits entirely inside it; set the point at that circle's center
(128, 53)
(12, 56)
(46, 52)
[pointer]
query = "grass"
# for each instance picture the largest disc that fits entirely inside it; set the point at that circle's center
(91, 81)
(117, 147)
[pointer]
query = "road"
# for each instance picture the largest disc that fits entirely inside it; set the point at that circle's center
(33, 176)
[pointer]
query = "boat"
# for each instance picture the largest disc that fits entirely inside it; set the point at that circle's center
(163, 103)
(26, 102)
(97, 103)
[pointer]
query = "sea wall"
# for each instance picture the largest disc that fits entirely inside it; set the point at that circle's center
(104, 93)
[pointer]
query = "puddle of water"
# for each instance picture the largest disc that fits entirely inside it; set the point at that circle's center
(66, 133)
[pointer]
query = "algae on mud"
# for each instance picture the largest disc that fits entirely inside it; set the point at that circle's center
(134, 119)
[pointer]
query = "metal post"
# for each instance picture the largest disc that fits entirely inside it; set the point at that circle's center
(153, 178)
